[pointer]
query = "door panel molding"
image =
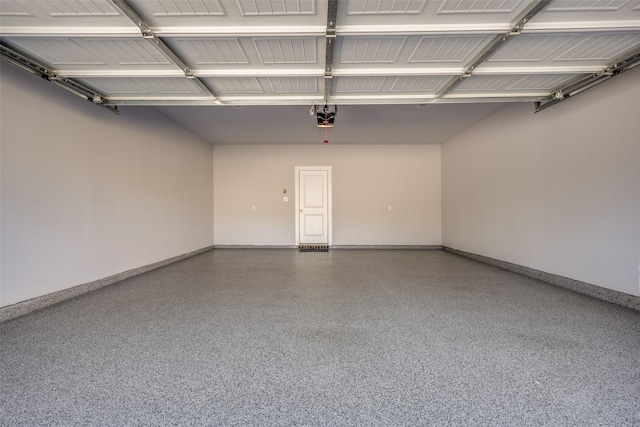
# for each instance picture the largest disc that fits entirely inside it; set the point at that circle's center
(298, 202)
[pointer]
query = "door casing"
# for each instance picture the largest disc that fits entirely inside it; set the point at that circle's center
(298, 201)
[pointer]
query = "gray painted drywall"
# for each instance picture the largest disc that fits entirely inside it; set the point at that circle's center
(557, 191)
(87, 194)
(366, 180)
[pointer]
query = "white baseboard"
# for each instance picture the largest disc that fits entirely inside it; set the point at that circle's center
(609, 295)
(24, 307)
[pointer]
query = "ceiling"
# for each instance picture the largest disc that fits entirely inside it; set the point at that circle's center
(349, 53)
(355, 124)
(253, 52)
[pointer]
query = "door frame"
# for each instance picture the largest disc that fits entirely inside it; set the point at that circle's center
(329, 202)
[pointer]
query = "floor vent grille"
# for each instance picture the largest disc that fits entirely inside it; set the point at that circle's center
(314, 248)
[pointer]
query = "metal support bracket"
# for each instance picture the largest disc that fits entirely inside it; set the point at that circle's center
(29, 65)
(583, 83)
(148, 34)
(330, 37)
(495, 44)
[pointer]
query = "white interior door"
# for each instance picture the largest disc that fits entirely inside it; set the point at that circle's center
(313, 225)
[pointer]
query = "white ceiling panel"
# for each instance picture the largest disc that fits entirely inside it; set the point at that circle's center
(603, 47)
(359, 84)
(534, 48)
(249, 54)
(59, 16)
(440, 54)
(80, 8)
(212, 51)
(63, 52)
(301, 50)
(586, 5)
(389, 85)
(592, 51)
(14, 8)
(475, 6)
(244, 52)
(263, 85)
(123, 86)
(292, 85)
(58, 51)
(447, 49)
(235, 85)
(276, 7)
(492, 15)
(525, 83)
(587, 14)
(419, 84)
(371, 50)
(168, 8)
(385, 7)
(58, 8)
(212, 17)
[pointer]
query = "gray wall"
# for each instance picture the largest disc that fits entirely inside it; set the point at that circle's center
(366, 180)
(87, 194)
(557, 191)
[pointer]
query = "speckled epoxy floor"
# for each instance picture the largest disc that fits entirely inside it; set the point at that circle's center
(349, 337)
